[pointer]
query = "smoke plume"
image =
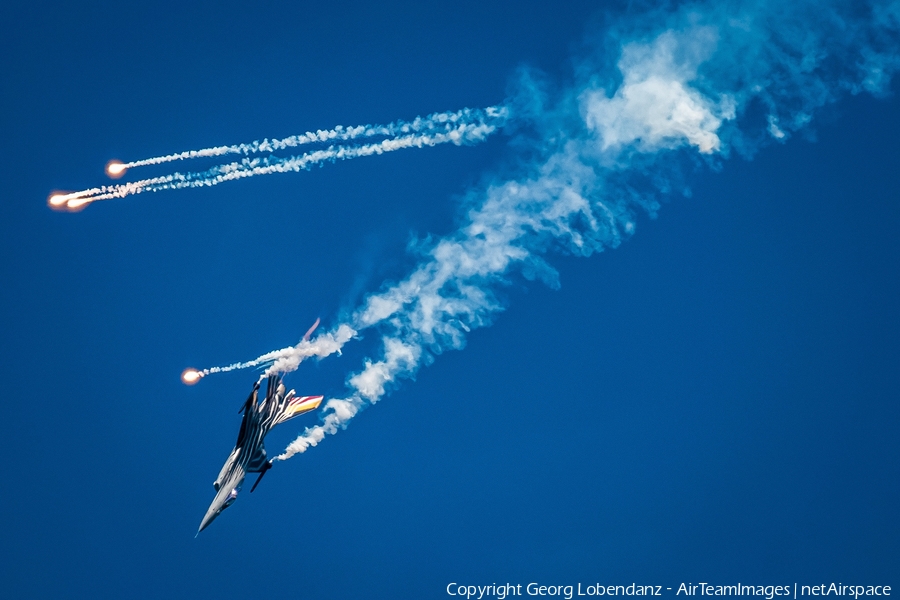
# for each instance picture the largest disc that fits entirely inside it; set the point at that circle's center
(662, 90)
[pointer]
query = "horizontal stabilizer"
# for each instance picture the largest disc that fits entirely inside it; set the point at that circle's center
(303, 404)
(297, 405)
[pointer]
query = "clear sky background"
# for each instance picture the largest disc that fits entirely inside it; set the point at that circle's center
(715, 400)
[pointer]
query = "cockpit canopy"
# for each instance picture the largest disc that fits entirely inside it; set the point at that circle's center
(232, 496)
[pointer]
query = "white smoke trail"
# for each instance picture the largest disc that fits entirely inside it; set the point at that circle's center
(461, 133)
(288, 359)
(433, 123)
(687, 80)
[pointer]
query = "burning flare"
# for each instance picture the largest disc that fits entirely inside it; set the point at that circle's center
(191, 376)
(115, 169)
(68, 201)
(56, 200)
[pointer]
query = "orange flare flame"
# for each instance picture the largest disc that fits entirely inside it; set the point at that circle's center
(77, 204)
(115, 169)
(190, 376)
(57, 200)
(67, 201)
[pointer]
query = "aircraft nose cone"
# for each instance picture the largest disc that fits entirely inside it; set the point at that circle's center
(207, 519)
(204, 524)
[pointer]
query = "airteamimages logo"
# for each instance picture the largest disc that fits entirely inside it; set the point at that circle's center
(570, 591)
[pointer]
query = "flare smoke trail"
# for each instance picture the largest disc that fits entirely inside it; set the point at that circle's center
(432, 123)
(288, 359)
(467, 126)
(690, 85)
(266, 166)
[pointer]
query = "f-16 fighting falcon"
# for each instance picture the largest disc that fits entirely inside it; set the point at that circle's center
(249, 454)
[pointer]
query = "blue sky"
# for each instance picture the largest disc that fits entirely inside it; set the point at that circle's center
(714, 400)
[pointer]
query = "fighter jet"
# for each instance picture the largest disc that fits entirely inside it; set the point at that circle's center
(249, 454)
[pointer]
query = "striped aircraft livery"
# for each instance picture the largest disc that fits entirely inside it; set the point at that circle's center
(249, 454)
